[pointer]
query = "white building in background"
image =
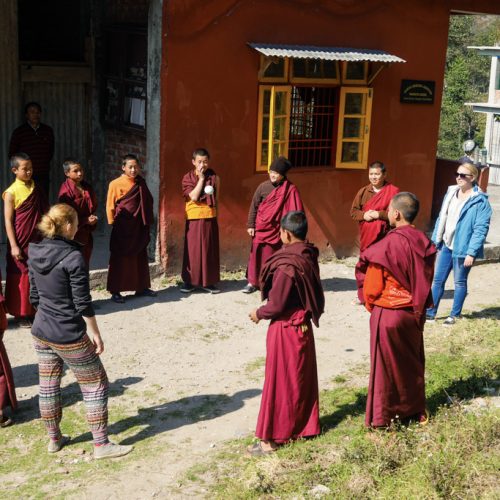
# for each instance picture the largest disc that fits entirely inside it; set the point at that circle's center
(492, 109)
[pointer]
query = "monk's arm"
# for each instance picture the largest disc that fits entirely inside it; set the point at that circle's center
(217, 190)
(196, 192)
(110, 204)
(373, 285)
(357, 212)
(9, 211)
(278, 296)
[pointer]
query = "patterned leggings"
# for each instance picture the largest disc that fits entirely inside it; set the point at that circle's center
(90, 375)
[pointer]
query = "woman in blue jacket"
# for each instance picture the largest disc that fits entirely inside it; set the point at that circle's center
(459, 234)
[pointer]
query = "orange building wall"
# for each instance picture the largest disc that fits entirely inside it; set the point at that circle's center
(210, 96)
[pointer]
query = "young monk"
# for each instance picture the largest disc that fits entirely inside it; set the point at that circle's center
(7, 387)
(291, 284)
(272, 199)
(369, 209)
(80, 195)
(397, 292)
(129, 209)
(200, 188)
(24, 204)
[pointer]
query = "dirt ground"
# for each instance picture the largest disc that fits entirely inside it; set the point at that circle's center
(190, 369)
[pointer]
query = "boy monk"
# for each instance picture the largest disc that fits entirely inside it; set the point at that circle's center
(369, 209)
(291, 284)
(24, 204)
(129, 208)
(7, 387)
(397, 291)
(272, 199)
(80, 195)
(200, 264)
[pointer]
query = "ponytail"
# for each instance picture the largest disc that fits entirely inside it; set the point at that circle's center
(54, 222)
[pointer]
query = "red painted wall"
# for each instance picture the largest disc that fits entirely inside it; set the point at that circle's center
(210, 96)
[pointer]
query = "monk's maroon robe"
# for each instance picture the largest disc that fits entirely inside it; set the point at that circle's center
(282, 199)
(17, 287)
(200, 263)
(128, 261)
(397, 361)
(371, 232)
(85, 204)
(290, 400)
(7, 387)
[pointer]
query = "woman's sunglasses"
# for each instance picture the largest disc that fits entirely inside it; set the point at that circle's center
(462, 176)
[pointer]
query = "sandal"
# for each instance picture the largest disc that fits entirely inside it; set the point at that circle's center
(256, 450)
(5, 421)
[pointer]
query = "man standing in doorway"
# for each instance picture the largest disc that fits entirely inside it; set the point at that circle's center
(36, 140)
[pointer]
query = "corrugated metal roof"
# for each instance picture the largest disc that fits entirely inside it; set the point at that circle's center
(325, 53)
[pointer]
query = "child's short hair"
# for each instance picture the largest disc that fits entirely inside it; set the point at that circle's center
(54, 221)
(15, 159)
(408, 204)
(68, 163)
(201, 152)
(295, 222)
(32, 104)
(378, 164)
(129, 157)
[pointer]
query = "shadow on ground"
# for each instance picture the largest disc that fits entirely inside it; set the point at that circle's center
(172, 415)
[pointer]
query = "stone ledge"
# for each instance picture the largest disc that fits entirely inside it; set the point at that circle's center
(99, 277)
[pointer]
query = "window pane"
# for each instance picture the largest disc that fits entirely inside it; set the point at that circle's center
(266, 105)
(134, 105)
(280, 103)
(112, 101)
(355, 71)
(279, 129)
(299, 68)
(330, 69)
(275, 69)
(352, 128)
(264, 153)
(265, 128)
(354, 104)
(279, 149)
(351, 152)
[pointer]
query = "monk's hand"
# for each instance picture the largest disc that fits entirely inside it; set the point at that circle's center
(92, 220)
(374, 214)
(468, 261)
(251, 231)
(253, 316)
(367, 217)
(16, 253)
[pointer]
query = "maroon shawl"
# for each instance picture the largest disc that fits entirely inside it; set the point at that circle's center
(281, 200)
(190, 180)
(26, 218)
(300, 262)
(409, 256)
(84, 203)
(133, 216)
(370, 232)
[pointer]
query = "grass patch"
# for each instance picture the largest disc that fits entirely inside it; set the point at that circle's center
(455, 456)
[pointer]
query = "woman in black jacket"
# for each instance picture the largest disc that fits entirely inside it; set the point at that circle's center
(59, 290)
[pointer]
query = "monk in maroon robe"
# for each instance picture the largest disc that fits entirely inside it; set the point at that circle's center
(271, 201)
(200, 264)
(129, 209)
(24, 204)
(369, 209)
(7, 387)
(80, 195)
(397, 291)
(291, 284)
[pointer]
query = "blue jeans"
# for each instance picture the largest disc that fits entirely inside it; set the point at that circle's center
(444, 263)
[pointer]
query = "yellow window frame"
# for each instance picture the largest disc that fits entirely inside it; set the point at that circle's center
(312, 81)
(364, 138)
(361, 81)
(265, 61)
(272, 141)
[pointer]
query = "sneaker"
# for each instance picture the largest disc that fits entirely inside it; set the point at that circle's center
(111, 450)
(449, 321)
(211, 289)
(147, 292)
(187, 288)
(55, 446)
(25, 322)
(118, 298)
(430, 319)
(249, 289)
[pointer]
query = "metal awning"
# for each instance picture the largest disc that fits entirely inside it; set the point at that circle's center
(486, 50)
(485, 107)
(325, 53)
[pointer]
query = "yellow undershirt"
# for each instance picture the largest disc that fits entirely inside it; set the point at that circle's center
(20, 191)
(197, 210)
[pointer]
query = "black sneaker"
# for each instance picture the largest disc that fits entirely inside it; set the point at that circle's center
(147, 292)
(187, 288)
(210, 289)
(118, 298)
(249, 288)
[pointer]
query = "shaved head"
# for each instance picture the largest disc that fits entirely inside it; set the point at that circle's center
(407, 204)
